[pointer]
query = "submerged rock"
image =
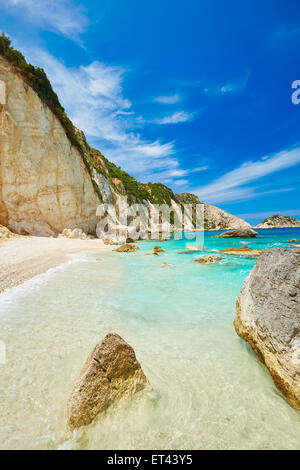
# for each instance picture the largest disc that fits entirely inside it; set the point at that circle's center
(238, 233)
(268, 317)
(111, 372)
(192, 249)
(157, 249)
(208, 259)
(242, 251)
(127, 248)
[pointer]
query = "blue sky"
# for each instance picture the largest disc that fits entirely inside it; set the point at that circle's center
(194, 94)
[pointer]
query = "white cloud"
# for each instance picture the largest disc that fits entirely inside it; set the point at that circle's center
(175, 118)
(182, 182)
(231, 86)
(61, 16)
(198, 169)
(233, 185)
(94, 100)
(168, 99)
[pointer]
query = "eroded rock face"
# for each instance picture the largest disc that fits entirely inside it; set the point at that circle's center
(268, 317)
(242, 251)
(111, 372)
(44, 184)
(238, 233)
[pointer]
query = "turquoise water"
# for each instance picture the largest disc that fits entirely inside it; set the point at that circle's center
(209, 390)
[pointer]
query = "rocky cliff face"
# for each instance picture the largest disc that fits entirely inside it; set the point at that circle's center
(44, 184)
(51, 179)
(268, 317)
(279, 221)
(214, 218)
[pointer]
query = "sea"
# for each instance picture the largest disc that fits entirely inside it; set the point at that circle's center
(209, 389)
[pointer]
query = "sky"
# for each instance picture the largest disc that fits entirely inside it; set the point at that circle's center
(197, 95)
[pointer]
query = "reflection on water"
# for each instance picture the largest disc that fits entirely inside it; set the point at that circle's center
(209, 389)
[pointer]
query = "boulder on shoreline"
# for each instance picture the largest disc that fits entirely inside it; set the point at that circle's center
(208, 259)
(242, 251)
(110, 373)
(268, 317)
(6, 234)
(127, 248)
(75, 233)
(238, 233)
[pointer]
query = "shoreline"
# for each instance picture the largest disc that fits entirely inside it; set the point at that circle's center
(23, 258)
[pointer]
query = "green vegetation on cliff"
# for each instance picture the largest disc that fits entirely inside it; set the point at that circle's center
(36, 77)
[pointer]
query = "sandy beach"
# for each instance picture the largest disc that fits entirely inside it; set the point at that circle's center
(25, 257)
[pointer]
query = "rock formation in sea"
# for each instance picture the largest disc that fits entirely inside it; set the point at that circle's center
(158, 249)
(110, 373)
(127, 248)
(279, 221)
(238, 233)
(52, 180)
(192, 249)
(208, 259)
(242, 251)
(268, 317)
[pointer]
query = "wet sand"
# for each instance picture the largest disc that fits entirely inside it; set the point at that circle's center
(25, 257)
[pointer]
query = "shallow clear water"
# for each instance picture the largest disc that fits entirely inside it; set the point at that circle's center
(209, 389)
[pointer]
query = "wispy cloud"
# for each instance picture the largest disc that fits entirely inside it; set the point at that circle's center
(93, 97)
(168, 99)
(61, 16)
(176, 118)
(231, 86)
(182, 182)
(234, 185)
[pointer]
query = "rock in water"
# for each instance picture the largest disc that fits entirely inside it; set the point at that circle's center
(192, 249)
(157, 249)
(268, 317)
(127, 248)
(242, 251)
(238, 233)
(111, 372)
(208, 259)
